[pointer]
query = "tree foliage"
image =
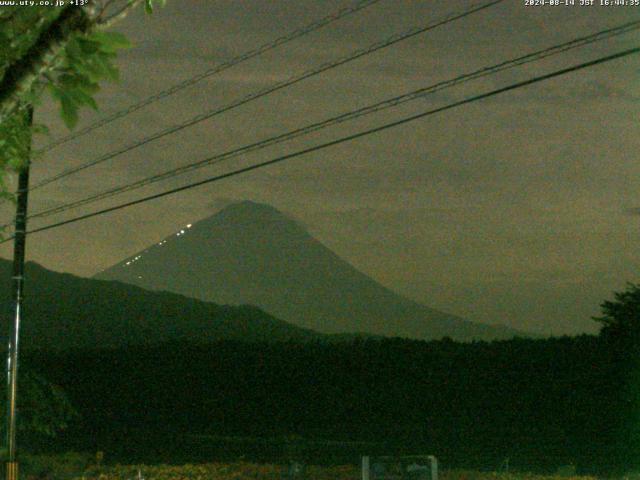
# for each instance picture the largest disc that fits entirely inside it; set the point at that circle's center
(15, 139)
(620, 331)
(88, 59)
(43, 408)
(621, 317)
(541, 403)
(65, 51)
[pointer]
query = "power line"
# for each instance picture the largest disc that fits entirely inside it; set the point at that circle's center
(322, 22)
(279, 86)
(347, 138)
(376, 107)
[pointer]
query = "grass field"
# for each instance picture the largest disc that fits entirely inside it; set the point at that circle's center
(243, 470)
(76, 466)
(237, 471)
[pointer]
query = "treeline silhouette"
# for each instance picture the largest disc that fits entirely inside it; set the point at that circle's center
(540, 403)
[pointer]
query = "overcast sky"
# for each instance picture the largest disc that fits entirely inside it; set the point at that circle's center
(516, 210)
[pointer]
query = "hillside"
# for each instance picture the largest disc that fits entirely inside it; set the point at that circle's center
(63, 311)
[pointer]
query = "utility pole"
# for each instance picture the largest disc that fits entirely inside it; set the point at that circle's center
(18, 293)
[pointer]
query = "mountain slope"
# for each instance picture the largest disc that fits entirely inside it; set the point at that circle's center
(252, 253)
(64, 311)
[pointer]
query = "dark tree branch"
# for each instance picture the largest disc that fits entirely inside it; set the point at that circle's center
(119, 14)
(21, 76)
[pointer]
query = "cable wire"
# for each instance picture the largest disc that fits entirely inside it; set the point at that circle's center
(376, 107)
(279, 86)
(362, 4)
(344, 139)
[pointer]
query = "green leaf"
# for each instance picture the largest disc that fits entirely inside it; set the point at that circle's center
(88, 70)
(87, 85)
(89, 46)
(97, 67)
(68, 80)
(16, 163)
(40, 129)
(81, 98)
(79, 82)
(69, 110)
(73, 49)
(148, 6)
(55, 91)
(111, 41)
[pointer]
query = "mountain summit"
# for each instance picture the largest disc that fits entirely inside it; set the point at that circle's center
(250, 253)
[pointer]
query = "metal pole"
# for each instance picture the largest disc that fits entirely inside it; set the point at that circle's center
(366, 470)
(434, 467)
(18, 287)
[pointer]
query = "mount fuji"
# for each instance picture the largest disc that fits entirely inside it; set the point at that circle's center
(251, 253)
